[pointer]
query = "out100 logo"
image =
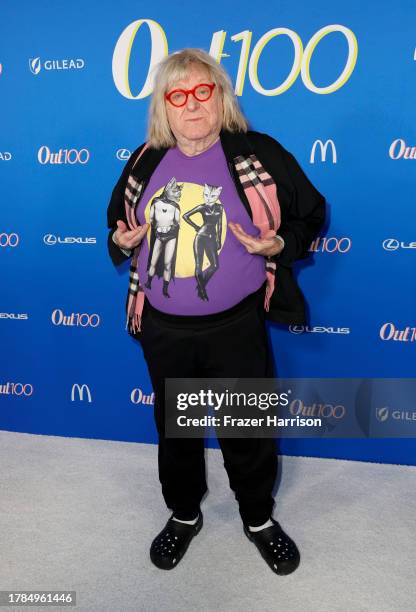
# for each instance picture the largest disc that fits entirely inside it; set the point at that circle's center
(249, 59)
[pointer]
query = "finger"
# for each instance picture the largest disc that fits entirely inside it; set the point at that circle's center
(269, 242)
(265, 241)
(121, 225)
(240, 233)
(246, 239)
(137, 235)
(142, 230)
(251, 244)
(236, 227)
(264, 246)
(137, 230)
(236, 231)
(240, 229)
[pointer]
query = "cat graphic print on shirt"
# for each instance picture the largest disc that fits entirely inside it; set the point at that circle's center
(207, 240)
(189, 262)
(164, 219)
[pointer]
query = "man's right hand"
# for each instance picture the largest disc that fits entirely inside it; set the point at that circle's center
(129, 239)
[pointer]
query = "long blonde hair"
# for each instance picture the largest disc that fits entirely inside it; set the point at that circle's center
(175, 67)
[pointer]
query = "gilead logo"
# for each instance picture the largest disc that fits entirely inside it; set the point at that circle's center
(385, 413)
(35, 64)
(5, 156)
(388, 331)
(382, 414)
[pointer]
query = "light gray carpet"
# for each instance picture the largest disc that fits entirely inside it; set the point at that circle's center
(80, 514)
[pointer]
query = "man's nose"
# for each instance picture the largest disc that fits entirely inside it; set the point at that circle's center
(192, 103)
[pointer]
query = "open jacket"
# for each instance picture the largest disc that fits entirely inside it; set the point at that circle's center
(302, 211)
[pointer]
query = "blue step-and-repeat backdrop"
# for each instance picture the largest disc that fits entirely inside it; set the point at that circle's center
(333, 81)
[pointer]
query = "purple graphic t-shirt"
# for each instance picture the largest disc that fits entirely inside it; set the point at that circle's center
(190, 262)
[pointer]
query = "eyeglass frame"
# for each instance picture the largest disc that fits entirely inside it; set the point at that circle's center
(190, 91)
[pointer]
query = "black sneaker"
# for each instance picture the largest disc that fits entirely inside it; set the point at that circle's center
(277, 549)
(170, 545)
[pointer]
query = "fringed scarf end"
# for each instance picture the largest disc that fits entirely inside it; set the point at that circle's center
(267, 298)
(134, 311)
(134, 324)
(269, 289)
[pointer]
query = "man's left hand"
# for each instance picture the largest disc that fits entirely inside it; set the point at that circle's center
(267, 246)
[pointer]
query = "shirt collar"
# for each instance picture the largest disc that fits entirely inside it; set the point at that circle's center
(233, 144)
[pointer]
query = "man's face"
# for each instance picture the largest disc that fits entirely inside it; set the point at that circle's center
(195, 120)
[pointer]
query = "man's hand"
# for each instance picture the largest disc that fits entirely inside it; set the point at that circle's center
(129, 239)
(267, 246)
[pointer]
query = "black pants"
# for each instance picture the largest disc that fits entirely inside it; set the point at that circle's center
(233, 343)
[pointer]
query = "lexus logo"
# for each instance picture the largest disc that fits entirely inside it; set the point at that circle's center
(18, 316)
(51, 239)
(123, 154)
(392, 244)
(318, 329)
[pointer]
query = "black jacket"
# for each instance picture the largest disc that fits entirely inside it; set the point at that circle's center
(302, 210)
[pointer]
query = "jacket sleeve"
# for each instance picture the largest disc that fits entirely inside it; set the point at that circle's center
(303, 206)
(116, 211)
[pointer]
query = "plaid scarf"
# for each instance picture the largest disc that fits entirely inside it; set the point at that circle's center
(260, 190)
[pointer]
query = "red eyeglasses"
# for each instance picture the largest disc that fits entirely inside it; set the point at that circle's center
(179, 97)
